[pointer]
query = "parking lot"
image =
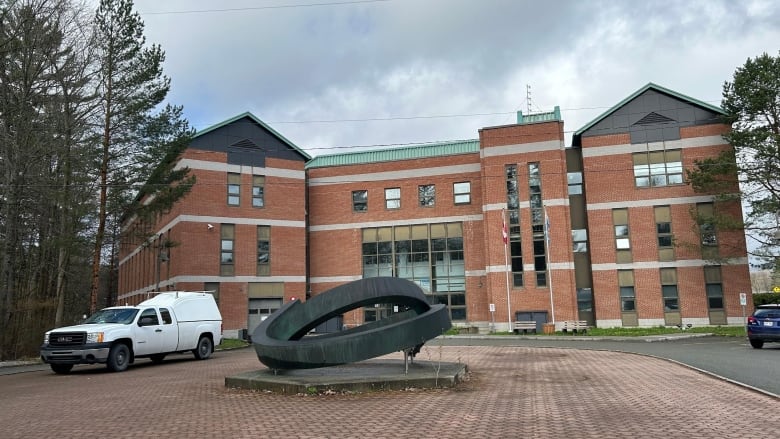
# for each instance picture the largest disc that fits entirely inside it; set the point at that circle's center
(512, 391)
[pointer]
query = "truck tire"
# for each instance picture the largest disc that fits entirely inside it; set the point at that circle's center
(157, 358)
(61, 368)
(118, 358)
(204, 349)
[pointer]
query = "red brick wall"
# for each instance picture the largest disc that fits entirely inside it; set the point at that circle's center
(554, 188)
(336, 252)
(609, 179)
(197, 249)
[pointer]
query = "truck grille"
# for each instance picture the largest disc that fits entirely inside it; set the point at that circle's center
(61, 339)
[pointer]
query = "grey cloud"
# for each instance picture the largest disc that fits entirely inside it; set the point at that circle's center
(434, 57)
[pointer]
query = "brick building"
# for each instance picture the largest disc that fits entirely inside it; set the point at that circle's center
(511, 226)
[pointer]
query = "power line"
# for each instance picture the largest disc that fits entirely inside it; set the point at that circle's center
(260, 8)
(425, 116)
(381, 119)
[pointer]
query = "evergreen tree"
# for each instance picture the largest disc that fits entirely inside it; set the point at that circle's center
(752, 102)
(42, 126)
(131, 86)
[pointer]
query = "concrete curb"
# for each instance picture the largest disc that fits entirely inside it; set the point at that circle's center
(646, 338)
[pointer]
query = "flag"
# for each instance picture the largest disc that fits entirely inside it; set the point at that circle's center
(504, 231)
(546, 227)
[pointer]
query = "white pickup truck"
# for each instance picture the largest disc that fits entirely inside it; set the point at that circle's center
(170, 322)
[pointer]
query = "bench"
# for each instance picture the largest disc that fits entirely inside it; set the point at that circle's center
(524, 325)
(575, 326)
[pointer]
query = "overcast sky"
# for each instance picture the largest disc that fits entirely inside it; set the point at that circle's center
(389, 72)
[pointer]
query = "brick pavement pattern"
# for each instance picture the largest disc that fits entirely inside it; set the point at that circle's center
(511, 392)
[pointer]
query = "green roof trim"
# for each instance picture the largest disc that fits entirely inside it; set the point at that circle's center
(550, 116)
(394, 154)
(259, 122)
(649, 86)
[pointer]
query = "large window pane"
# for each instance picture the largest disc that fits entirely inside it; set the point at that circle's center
(393, 198)
(462, 192)
(431, 255)
(369, 248)
(427, 195)
(664, 241)
(420, 245)
(360, 201)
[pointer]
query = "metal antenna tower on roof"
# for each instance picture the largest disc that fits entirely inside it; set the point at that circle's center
(528, 97)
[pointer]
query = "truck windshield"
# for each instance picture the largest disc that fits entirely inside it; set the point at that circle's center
(116, 315)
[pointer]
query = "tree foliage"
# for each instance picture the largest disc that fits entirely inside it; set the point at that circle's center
(131, 85)
(83, 137)
(752, 101)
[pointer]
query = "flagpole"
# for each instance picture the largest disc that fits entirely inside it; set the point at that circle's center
(549, 266)
(505, 235)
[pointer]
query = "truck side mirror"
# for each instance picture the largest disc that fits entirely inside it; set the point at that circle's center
(147, 321)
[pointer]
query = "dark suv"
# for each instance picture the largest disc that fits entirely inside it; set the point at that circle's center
(764, 325)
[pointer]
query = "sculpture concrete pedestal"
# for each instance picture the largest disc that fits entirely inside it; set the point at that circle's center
(365, 376)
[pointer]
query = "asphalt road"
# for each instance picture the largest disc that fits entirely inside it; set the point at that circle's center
(731, 358)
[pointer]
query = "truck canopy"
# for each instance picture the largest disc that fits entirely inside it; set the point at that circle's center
(187, 306)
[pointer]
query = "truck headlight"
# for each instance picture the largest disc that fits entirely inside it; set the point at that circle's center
(94, 337)
(46, 338)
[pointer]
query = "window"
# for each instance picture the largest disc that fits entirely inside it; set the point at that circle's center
(622, 239)
(150, 313)
(708, 236)
(233, 189)
(584, 300)
(258, 191)
(393, 198)
(669, 289)
(462, 192)
(575, 182)
(430, 255)
(664, 234)
(535, 198)
(166, 316)
(627, 299)
(227, 234)
(579, 239)
(714, 287)
(658, 168)
(227, 251)
(360, 201)
(263, 250)
(627, 294)
(663, 228)
(427, 194)
(513, 212)
(709, 239)
(537, 223)
(715, 296)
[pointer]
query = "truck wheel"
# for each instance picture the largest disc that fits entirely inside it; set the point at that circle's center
(157, 358)
(204, 349)
(118, 358)
(61, 368)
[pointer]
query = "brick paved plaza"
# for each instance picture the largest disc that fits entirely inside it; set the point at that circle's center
(512, 392)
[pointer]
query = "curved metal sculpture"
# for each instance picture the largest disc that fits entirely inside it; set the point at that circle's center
(280, 344)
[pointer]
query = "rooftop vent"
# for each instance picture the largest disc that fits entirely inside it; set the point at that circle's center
(246, 143)
(653, 118)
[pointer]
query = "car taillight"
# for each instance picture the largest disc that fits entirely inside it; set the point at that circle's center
(752, 321)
